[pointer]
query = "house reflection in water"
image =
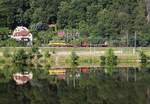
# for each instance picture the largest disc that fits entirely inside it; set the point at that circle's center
(21, 79)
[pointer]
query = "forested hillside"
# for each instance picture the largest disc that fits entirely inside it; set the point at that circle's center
(116, 21)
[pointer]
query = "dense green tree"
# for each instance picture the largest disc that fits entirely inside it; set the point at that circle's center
(20, 57)
(14, 12)
(44, 10)
(74, 58)
(101, 20)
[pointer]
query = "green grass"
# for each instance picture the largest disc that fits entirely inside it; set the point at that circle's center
(4, 30)
(127, 58)
(124, 49)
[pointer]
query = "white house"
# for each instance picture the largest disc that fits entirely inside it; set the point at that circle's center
(22, 34)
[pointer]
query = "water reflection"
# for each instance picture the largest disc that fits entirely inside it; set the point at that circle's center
(118, 73)
(84, 85)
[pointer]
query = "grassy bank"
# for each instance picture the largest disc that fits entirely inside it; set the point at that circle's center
(124, 50)
(87, 56)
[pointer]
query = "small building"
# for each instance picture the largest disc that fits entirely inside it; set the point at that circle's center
(21, 33)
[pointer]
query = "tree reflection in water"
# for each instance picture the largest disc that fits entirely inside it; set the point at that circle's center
(93, 87)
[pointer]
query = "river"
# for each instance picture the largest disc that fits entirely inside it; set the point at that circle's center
(124, 85)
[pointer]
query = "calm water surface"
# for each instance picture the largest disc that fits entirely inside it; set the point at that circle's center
(77, 86)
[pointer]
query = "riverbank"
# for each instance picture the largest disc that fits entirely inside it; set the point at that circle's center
(88, 56)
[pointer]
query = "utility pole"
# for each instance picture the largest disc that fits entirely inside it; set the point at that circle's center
(127, 74)
(135, 75)
(135, 38)
(127, 38)
(91, 52)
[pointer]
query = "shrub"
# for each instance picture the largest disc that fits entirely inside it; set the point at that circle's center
(111, 59)
(35, 49)
(74, 59)
(103, 58)
(4, 30)
(39, 26)
(143, 57)
(6, 53)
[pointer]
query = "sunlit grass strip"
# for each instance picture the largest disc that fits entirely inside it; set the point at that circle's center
(92, 59)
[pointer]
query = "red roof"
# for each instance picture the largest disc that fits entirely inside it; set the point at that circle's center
(21, 31)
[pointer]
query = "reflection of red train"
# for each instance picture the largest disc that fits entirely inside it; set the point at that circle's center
(60, 73)
(84, 69)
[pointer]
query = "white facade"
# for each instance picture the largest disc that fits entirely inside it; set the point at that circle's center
(22, 34)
